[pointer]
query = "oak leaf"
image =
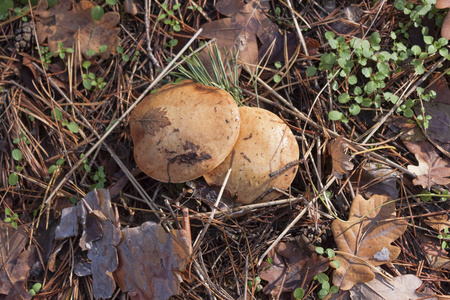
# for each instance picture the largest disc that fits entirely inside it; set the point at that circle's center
(241, 31)
(341, 160)
(371, 226)
(438, 222)
(74, 24)
(154, 120)
(16, 261)
(432, 169)
(401, 287)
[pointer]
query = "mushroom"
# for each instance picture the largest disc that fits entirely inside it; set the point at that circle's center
(265, 145)
(445, 31)
(183, 131)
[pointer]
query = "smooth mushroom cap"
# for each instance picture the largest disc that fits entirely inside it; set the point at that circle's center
(183, 131)
(445, 30)
(265, 145)
(440, 4)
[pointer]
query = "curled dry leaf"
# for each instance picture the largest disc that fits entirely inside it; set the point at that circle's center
(401, 287)
(371, 227)
(432, 169)
(247, 22)
(341, 160)
(375, 179)
(73, 25)
(438, 222)
(146, 261)
(16, 261)
(148, 254)
(292, 266)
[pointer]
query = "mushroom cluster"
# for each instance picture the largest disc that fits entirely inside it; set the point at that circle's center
(188, 130)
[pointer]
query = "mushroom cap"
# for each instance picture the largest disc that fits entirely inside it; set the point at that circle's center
(440, 4)
(265, 145)
(183, 131)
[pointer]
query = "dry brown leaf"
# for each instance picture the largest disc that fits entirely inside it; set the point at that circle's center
(432, 169)
(15, 262)
(293, 266)
(376, 179)
(73, 25)
(364, 238)
(247, 22)
(144, 261)
(437, 257)
(401, 287)
(438, 222)
(341, 160)
(152, 261)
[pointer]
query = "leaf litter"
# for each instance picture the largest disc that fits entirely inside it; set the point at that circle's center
(372, 225)
(147, 261)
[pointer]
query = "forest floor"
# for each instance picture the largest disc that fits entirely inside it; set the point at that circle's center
(362, 85)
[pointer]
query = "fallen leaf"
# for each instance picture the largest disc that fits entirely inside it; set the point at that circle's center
(432, 169)
(154, 120)
(341, 160)
(146, 261)
(73, 25)
(292, 266)
(437, 257)
(15, 261)
(371, 226)
(376, 179)
(401, 287)
(240, 31)
(438, 222)
(151, 261)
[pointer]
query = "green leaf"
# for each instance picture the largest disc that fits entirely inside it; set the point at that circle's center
(278, 65)
(86, 64)
(320, 250)
(400, 4)
(408, 113)
(13, 178)
(97, 13)
(90, 52)
(335, 115)
(370, 87)
(177, 27)
(277, 78)
(119, 50)
(7, 220)
(367, 71)
(322, 293)
(56, 114)
(330, 253)
(72, 126)
(334, 289)
(52, 169)
(366, 102)
(336, 263)
(321, 277)
(17, 155)
(111, 2)
(5, 6)
(173, 42)
(311, 71)
(352, 80)
(87, 84)
(354, 109)
(344, 98)
(330, 35)
(375, 38)
(428, 39)
(102, 48)
(37, 287)
(299, 293)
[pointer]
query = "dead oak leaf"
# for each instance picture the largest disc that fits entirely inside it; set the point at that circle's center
(341, 160)
(371, 227)
(438, 222)
(74, 24)
(432, 169)
(151, 261)
(292, 266)
(241, 31)
(154, 120)
(15, 262)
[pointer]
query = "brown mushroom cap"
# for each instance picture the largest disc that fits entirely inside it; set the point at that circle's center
(265, 145)
(183, 131)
